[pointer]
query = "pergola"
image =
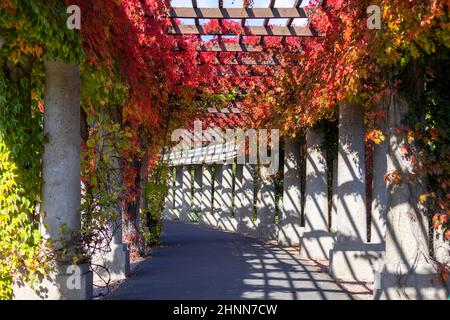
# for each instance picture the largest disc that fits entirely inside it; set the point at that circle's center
(244, 54)
(241, 197)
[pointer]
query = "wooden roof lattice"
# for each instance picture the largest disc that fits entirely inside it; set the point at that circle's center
(237, 59)
(243, 15)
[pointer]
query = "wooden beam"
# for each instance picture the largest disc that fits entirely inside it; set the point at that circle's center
(236, 13)
(271, 60)
(232, 71)
(252, 76)
(241, 75)
(266, 21)
(228, 47)
(297, 4)
(248, 31)
(237, 47)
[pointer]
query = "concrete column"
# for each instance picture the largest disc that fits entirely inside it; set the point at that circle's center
(186, 207)
(169, 201)
(290, 212)
(197, 196)
(244, 199)
(61, 193)
(207, 216)
(227, 189)
(178, 201)
(352, 258)
(379, 190)
(227, 221)
(218, 202)
(317, 241)
(408, 272)
(351, 188)
(334, 197)
(265, 213)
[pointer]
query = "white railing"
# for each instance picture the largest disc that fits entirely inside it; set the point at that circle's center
(212, 153)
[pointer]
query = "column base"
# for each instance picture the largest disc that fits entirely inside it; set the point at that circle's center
(117, 263)
(185, 217)
(267, 232)
(170, 214)
(316, 245)
(356, 264)
(209, 219)
(289, 235)
(192, 216)
(248, 227)
(399, 282)
(228, 223)
(67, 282)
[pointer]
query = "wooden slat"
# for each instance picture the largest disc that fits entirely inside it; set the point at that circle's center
(248, 31)
(229, 47)
(260, 68)
(236, 47)
(266, 21)
(237, 13)
(248, 61)
(297, 4)
(232, 73)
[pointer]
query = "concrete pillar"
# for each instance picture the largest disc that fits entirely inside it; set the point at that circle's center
(218, 202)
(267, 230)
(207, 216)
(317, 241)
(227, 189)
(352, 258)
(408, 271)
(334, 197)
(169, 201)
(290, 229)
(379, 190)
(61, 193)
(197, 196)
(178, 201)
(227, 221)
(186, 206)
(244, 199)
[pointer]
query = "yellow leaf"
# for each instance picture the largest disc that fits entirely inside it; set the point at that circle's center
(423, 198)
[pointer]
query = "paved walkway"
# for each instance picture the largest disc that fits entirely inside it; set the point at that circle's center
(198, 263)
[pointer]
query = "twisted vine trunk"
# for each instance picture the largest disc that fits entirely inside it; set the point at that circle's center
(134, 206)
(116, 178)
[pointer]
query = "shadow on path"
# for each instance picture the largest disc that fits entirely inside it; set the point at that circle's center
(197, 263)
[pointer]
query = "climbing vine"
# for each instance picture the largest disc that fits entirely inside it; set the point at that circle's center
(156, 189)
(21, 146)
(29, 29)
